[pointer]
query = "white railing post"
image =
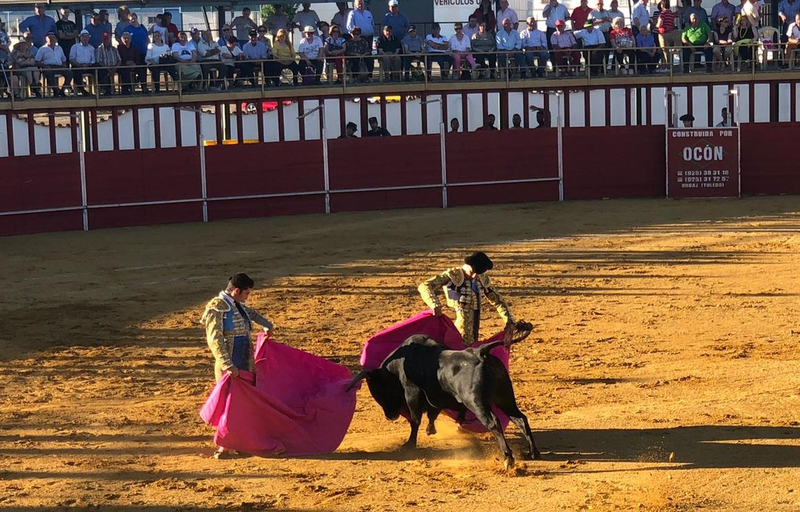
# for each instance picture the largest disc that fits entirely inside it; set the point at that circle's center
(442, 145)
(82, 163)
(203, 185)
(324, 137)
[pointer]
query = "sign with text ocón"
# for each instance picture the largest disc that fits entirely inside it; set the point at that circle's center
(703, 162)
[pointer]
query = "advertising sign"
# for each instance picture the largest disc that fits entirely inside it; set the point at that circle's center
(448, 11)
(703, 162)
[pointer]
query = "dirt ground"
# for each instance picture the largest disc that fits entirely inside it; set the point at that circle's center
(664, 373)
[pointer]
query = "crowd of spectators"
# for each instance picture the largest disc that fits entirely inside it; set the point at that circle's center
(491, 44)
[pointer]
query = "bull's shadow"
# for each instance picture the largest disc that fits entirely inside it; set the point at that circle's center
(702, 446)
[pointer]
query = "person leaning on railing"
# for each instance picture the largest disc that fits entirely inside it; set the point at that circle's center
(593, 43)
(647, 53)
(484, 45)
(108, 59)
(24, 73)
(334, 50)
(413, 46)
(623, 43)
(159, 60)
(285, 56)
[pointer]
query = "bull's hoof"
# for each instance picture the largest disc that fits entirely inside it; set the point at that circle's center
(431, 429)
(532, 456)
(408, 446)
(508, 463)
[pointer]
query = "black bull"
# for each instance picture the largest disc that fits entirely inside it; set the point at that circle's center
(427, 377)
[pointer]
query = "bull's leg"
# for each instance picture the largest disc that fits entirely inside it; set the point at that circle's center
(485, 415)
(416, 406)
(432, 415)
(507, 402)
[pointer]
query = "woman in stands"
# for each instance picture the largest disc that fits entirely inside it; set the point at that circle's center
(622, 41)
(485, 14)
(284, 54)
(461, 46)
(745, 40)
(484, 45)
(647, 53)
(357, 49)
(668, 33)
(723, 43)
(334, 50)
(159, 61)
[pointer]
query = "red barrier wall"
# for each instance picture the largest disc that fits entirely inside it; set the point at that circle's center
(384, 162)
(768, 159)
(254, 169)
(40, 182)
(615, 162)
(266, 207)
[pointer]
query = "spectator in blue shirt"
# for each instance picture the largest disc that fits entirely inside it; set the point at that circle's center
(138, 33)
(39, 26)
(396, 19)
(509, 46)
(96, 30)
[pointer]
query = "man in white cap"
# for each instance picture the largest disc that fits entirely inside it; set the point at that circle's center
(396, 19)
(310, 51)
(82, 59)
(306, 18)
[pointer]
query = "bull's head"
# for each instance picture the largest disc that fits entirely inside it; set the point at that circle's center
(385, 388)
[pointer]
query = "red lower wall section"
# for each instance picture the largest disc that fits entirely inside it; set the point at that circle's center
(614, 162)
(769, 162)
(603, 162)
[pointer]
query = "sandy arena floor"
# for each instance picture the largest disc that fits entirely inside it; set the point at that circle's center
(664, 374)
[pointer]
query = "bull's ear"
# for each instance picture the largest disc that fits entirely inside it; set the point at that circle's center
(358, 377)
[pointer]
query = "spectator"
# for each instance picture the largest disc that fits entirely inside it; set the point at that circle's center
(67, 31)
(580, 14)
(358, 52)
(543, 119)
(564, 49)
(454, 125)
(396, 19)
(306, 18)
(261, 31)
(623, 43)
(82, 58)
(389, 49)
(516, 122)
(172, 29)
(488, 124)
(471, 28)
(108, 58)
(39, 25)
(350, 131)
(194, 38)
(726, 120)
(601, 21)
(324, 30)
(254, 53)
(210, 61)
(534, 43)
(131, 59)
(687, 120)
(485, 14)
(159, 27)
(745, 39)
(725, 9)
(668, 33)
(123, 20)
(242, 25)
(285, 57)
(723, 43)
(413, 46)
(437, 46)
(641, 15)
(509, 46)
(310, 51)
(159, 60)
(189, 71)
(225, 34)
(793, 39)
(593, 42)
(96, 30)
(334, 50)
(138, 34)
(461, 46)
(5, 49)
(751, 9)
(696, 8)
(787, 10)
(52, 60)
(362, 18)
(614, 12)
(485, 45)
(102, 16)
(232, 56)
(554, 12)
(507, 12)
(25, 73)
(696, 37)
(647, 54)
(340, 18)
(375, 130)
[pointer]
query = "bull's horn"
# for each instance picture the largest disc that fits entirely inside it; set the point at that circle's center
(358, 377)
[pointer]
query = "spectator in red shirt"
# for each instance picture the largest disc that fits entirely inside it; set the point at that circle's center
(580, 14)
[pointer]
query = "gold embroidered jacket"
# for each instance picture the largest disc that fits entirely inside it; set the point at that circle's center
(465, 297)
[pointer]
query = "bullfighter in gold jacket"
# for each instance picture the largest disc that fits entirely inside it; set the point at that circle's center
(464, 288)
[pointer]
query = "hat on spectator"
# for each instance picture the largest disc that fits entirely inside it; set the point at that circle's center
(686, 117)
(85, 32)
(479, 262)
(392, 3)
(559, 23)
(308, 29)
(588, 24)
(412, 28)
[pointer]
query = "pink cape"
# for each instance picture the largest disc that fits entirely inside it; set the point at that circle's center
(296, 406)
(441, 329)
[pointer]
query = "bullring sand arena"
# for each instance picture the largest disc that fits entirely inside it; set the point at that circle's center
(663, 374)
